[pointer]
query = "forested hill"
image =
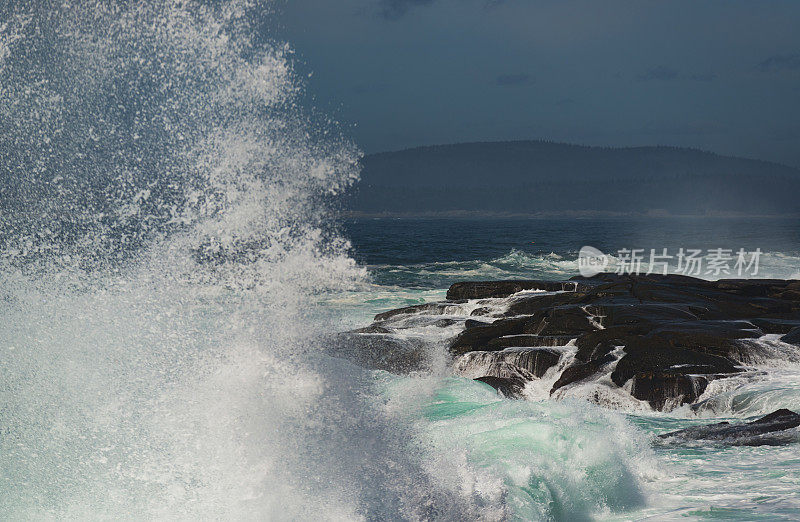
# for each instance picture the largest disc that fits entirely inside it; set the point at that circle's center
(543, 177)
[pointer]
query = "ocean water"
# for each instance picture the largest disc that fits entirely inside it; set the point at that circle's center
(171, 268)
(590, 452)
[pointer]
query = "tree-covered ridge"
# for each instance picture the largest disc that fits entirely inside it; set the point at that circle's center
(542, 176)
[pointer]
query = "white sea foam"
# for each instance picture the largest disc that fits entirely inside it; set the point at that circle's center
(164, 241)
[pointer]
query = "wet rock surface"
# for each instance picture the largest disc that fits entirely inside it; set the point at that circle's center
(509, 387)
(378, 350)
(484, 289)
(773, 429)
(662, 339)
(534, 361)
(793, 337)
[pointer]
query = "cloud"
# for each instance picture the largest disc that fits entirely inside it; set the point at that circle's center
(510, 80)
(662, 73)
(780, 62)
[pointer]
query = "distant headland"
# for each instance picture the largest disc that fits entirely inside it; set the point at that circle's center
(542, 178)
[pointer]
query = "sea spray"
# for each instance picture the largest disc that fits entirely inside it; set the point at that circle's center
(165, 233)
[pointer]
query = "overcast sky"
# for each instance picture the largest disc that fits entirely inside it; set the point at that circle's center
(720, 75)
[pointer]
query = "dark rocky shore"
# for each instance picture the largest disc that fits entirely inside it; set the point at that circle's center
(663, 339)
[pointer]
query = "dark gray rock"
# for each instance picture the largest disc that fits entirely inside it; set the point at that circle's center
(793, 337)
(531, 304)
(561, 320)
(579, 371)
(533, 361)
(478, 336)
(652, 355)
(508, 387)
(528, 341)
(755, 433)
(380, 352)
(714, 337)
(775, 326)
(486, 289)
(374, 328)
(598, 343)
(436, 308)
(668, 386)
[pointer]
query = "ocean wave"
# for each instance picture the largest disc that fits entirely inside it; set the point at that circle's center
(547, 459)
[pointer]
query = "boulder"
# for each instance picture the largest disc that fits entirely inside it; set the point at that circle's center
(793, 337)
(472, 323)
(374, 328)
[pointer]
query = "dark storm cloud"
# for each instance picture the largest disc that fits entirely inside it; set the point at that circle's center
(780, 62)
(403, 73)
(510, 80)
